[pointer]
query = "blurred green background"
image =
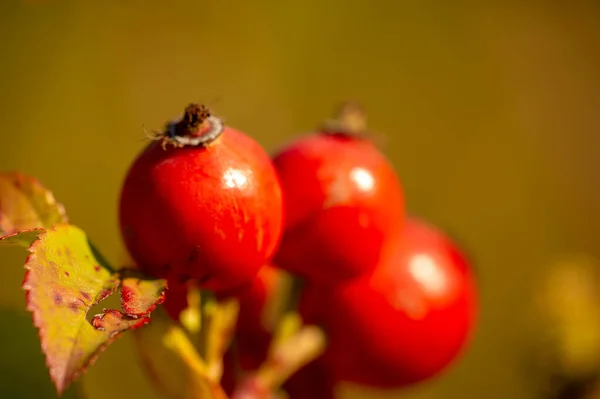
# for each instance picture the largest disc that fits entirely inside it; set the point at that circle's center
(491, 112)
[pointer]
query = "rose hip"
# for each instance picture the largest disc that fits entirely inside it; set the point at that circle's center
(343, 202)
(407, 321)
(203, 203)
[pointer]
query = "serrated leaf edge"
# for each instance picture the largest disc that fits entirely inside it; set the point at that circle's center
(59, 384)
(48, 196)
(16, 233)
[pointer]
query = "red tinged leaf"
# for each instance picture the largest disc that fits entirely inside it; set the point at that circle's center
(140, 297)
(25, 204)
(113, 320)
(63, 281)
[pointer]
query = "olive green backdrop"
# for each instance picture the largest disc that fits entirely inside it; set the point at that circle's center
(491, 112)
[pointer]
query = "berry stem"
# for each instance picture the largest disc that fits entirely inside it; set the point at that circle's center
(349, 119)
(293, 347)
(201, 384)
(191, 317)
(176, 340)
(294, 294)
(101, 259)
(219, 334)
(207, 314)
(284, 301)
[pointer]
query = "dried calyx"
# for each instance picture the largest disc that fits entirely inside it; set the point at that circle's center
(197, 127)
(349, 119)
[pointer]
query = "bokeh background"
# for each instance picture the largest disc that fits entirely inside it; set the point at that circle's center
(490, 109)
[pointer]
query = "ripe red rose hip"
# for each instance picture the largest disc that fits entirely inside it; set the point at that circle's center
(406, 322)
(343, 201)
(202, 203)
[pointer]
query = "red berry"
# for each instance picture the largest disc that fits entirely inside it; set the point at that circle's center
(406, 322)
(176, 300)
(229, 379)
(343, 201)
(311, 381)
(210, 212)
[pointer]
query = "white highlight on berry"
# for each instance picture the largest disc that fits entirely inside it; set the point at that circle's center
(235, 178)
(424, 269)
(363, 178)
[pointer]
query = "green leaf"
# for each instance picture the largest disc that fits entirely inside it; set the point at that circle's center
(25, 204)
(63, 281)
(23, 238)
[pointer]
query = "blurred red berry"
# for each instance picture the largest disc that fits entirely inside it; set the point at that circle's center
(407, 321)
(176, 300)
(343, 201)
(312, 381)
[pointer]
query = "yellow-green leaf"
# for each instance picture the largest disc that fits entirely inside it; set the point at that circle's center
(25, 204)
(23, 238)
(63, 280)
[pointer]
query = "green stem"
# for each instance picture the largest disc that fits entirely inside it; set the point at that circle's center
(295, 294)
(284, 300)
(207, 303)
(101, 259)
(176, 340)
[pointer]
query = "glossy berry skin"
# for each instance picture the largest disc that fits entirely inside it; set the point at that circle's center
(405, 323)
(213, 214)
(176, 299)
(343, 201)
